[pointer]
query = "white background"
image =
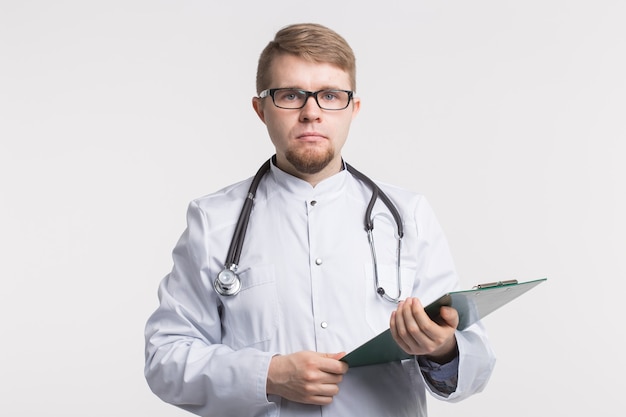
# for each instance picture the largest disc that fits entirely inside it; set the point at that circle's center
(508, 115)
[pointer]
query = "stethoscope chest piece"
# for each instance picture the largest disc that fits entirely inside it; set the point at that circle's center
(227, 283)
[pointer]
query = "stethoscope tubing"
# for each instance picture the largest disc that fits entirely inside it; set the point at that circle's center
(228, 283)
(236, 244)
(377, 193)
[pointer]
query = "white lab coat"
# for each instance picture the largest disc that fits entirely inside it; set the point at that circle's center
(307, 284)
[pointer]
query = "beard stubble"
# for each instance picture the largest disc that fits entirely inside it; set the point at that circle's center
(310, 161)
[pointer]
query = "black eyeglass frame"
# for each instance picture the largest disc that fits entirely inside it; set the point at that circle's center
(271, 91)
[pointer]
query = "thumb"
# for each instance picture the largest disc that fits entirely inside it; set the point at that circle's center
(450, 316)
(334, 355)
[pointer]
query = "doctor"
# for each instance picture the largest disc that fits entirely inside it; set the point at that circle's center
(308, 291)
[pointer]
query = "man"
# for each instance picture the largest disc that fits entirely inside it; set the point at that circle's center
(307, 287)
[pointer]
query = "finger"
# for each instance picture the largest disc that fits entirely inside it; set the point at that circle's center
(432, 329)
(324, 396)
(333, 365)
(424, 325)
(335, 355)
(403, 323)
(421, 331)
(415, 324)
(438, 335)
(393, 326)
(436, 329)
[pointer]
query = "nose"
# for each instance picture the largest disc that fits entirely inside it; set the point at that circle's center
(311, 111)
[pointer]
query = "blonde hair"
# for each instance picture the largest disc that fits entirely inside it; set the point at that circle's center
(310, 41)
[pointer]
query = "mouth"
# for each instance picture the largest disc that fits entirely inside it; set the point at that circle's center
(311, 136)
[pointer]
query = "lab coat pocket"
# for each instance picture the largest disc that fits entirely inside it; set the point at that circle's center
(250, 318)
(377, 309)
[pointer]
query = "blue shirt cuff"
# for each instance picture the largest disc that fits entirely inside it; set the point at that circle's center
(442, 378)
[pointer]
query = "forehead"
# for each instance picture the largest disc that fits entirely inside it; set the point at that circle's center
(293, 71)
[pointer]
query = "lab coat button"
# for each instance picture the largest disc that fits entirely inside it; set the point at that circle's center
(324, 325)
(313, 202)
(318, 261)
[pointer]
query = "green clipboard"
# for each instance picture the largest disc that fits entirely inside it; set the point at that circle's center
(472, 305)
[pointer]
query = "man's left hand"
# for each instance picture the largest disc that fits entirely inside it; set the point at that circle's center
(417, 334)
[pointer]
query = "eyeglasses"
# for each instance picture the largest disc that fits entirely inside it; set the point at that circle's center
(293, 98)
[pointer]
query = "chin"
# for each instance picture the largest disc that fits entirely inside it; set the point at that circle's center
(310, 161)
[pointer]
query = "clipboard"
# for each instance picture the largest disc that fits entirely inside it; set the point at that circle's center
(472, 305)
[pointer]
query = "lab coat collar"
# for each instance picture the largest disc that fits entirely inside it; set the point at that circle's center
(294, 185)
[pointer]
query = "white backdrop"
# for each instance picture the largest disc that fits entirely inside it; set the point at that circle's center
(508, 115)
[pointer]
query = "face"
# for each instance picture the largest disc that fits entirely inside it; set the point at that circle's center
(309, 140)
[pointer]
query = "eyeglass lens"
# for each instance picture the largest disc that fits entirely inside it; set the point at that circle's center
(288, 98)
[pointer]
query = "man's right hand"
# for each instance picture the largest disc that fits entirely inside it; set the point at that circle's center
(306, 377)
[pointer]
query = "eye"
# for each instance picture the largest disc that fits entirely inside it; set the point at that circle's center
(287, 95)
(329, 95)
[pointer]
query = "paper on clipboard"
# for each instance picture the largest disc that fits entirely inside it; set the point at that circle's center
(472, 305)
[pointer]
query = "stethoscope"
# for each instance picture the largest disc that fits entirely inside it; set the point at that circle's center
(228, 283)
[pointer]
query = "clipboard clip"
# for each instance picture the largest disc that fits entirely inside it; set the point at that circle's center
(495, 284)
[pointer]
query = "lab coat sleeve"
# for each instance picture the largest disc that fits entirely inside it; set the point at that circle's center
(476, 358)
(186, 364)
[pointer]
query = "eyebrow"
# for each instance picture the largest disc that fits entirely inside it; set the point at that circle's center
(320, 89)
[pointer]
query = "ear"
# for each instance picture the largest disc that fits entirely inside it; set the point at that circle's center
(257, 104)
(356, 106)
